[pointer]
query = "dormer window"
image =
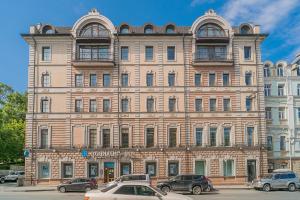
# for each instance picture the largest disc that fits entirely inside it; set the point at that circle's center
(94, 30)
(148, 29)
(210, 30)
(245, 29)
(48, 30)
(170, 29)
(124, 29)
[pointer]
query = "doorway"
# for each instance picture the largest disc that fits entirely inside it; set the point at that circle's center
(109, 171)
(251, 170)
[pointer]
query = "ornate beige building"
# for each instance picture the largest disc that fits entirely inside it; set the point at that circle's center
(108, 100)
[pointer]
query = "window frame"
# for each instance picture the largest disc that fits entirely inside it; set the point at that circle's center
(249, 56)
(171, 53)
(46, 58)
(124, 57)
(149, 56)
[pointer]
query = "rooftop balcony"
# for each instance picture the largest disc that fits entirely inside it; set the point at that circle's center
(83, 59)
(212, 36)
(212, 59)
(92, 36)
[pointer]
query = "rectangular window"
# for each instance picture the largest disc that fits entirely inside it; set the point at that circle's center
(44, 171)
(125, 168)
(298, 109)
(200, 167)
(281, 113)
(93, 80)
(124, 105)
(93, 170)
(226, 132)
(149, 137)
(172, 137)
(250, 131)
(106, 138)
(248, 103)
(67, 170)
(150, 105)
(270, 143)
(151, 168)
(213, 137)
(171, 52)
(199, 136)
(247, 53)
(198, 105)
(173, 168)
(281, 90)
(268, 113)
(282, 143)
(171, 79)
(93, 105)
(197, 79)
(106, 80)
(124, 53)
(248, 78)
(228, 167)
(45, 80)
(106, 105)
(149, 53)
(44, 139)
(226, 105)
(212, 79)
(124, 80)
(46, 53)
(44, 105)
(125, 137)
(298, 89)
(267, 90)
(78, 80)
(267, 71)
(225, 79)
(172, 105)
(92, 138)
(280, 71)
(149, 80)
(78, 105)
(212, 104)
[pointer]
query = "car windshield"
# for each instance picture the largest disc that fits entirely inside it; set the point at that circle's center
(108, 188)
(268, 176)
(158, 191)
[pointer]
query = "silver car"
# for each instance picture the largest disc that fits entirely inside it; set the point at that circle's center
(278, 180)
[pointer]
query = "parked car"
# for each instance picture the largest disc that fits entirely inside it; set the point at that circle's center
(13, 176)
(131, 177)
(210, 186)
(279, 179)
(185, 183)
(78, 184)
(2, 178)
(134, 190)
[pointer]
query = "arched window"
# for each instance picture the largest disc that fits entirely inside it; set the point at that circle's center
(210, 30)
(48, 30)
(124, 29)
(245, 29)
(148, 29)
(267, 70)
(170, 29)
(94, 30)
(280, 70)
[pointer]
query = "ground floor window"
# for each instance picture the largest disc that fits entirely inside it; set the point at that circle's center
(200, 167)
(173, 168)
(67, 170)
(151, 168)
(228, 167)
(44, 170)
(93, 170)
(125, 168)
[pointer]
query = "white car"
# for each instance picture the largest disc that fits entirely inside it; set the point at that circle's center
(132, 191)
(13, 176)
(131, 177)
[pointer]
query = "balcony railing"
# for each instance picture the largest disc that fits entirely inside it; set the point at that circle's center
(98, 34)
(212, 35)
(216, 56)
(93, 59)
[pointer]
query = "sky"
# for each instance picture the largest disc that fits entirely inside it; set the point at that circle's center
(278, 18)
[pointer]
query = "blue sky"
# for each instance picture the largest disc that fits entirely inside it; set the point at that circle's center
(279, 18)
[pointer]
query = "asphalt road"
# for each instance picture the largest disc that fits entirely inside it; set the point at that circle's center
(220, 195)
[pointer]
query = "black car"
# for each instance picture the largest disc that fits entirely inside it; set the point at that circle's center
(185, 183)
(78, 185)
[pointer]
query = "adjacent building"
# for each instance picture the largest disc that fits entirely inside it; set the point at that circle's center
(106, 100)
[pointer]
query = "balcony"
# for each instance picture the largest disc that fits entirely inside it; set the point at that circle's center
(212, 36)
(212, 59)
(101, 36)
(83, 59)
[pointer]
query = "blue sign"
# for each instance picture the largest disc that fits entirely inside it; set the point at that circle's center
(84, 153)
(26, 153)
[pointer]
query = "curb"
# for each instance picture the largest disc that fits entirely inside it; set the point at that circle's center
(31, 190)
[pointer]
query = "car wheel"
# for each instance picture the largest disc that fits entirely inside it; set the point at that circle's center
(165, 189)
(2, 180)
(197, 190)
(88, 189)
(292, 187)
(267, 188)
(62, 189)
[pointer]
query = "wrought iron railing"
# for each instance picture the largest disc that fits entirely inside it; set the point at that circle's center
(213, 33)
(82, 56)
(216, 56)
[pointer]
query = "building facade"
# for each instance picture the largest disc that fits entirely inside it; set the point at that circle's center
(108, 100)
(282, 98)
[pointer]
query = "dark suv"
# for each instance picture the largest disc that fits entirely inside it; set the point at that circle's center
(185, 183)
(78, 184)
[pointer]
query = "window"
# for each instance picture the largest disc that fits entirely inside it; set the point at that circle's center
(92, 138)
(148, 29)
(298, 89)
(144, 191)
(212, 80)
(248, 78)
(172, 137)
(247, 53)
(199, 136)
(226, 132)
(124, 53)
(45, 80)
(267, 90)
(210, 30)
(125, 29)
(94, 30)
(226, 105)
(248, 103)
(198, 105)
(44, 139)
(106, 138)
(171, 79)
(124, 137)
(170, 29)
(171, 52)
(149, 137)
(149, 53)
(212, 104)
(46, 53)
(106, 105)
(298, 71)
(228, 167)
(149, 80)
(67, 170)
(78, 105)
(93, 105)
(225, 79)
(124, 105)
(125, 168)
(298, 109)
(267, 72)
(150, 105)
(44, 105)
(245, 29)
(173, 168)
(93, 80)
(279, 70)
(106, 80)
(270, 143)
(281, 113)
(126, 190)
(172, 105)
(213, 137)
(282, 143)
(281, 90)
(124, 80)
(197, 79)
(93, 170)
(199, 169)
(78, 80)
(268, 113)
(207, 53)
(250, 141)
(151, 168)
(44, 170)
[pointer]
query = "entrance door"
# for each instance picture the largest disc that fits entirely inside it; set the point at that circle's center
(251, 170)
(109, 171)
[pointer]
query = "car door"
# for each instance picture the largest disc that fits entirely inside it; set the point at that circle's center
(276, 181)
(74, 185)
(185, 182)
(125, 192)
(145, 193)
(175, 183)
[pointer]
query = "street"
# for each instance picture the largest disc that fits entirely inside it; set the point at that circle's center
(222, 194)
